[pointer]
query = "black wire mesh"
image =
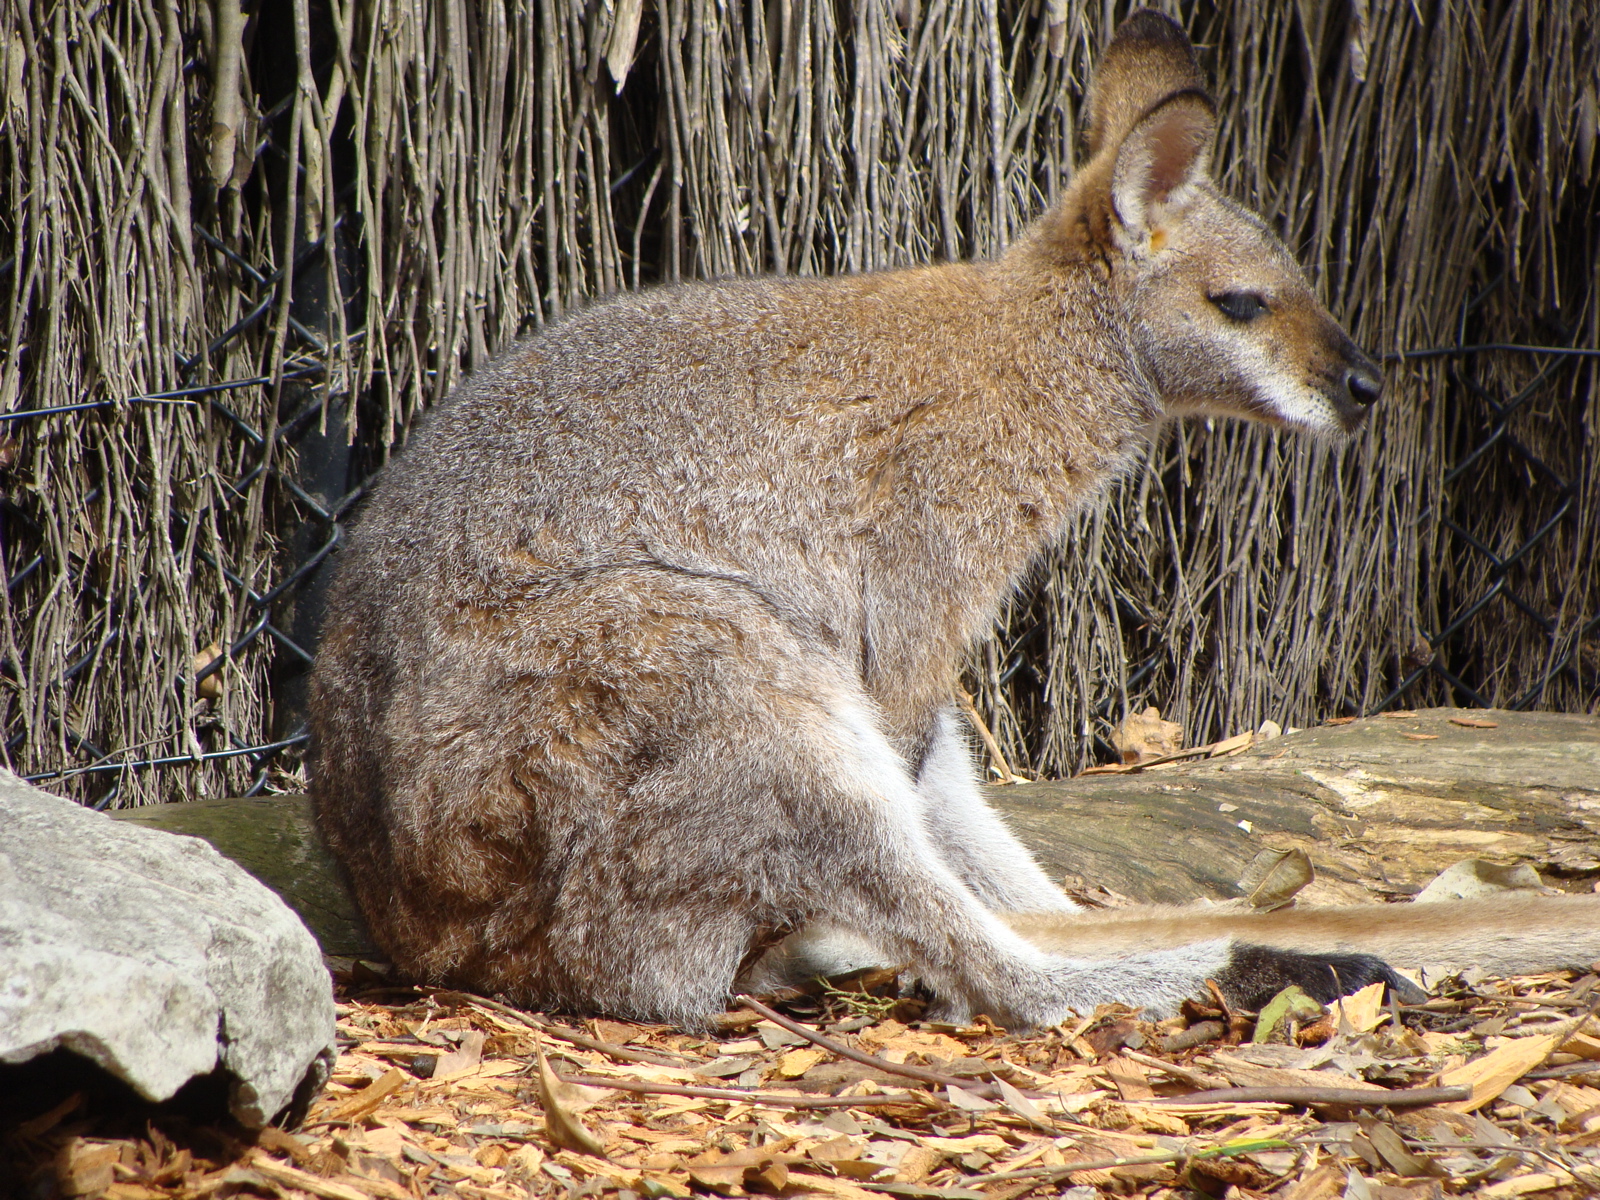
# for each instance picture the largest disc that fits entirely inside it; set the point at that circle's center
(1486, 576)
(1510, 564)
(258, 605)
(1454, 653)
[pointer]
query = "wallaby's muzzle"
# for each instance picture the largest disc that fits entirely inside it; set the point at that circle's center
(1364, 382)
(1355, 385)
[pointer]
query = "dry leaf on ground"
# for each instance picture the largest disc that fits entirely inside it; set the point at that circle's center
(1070, 1109)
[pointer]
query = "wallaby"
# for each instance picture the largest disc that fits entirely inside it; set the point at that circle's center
(636, 681)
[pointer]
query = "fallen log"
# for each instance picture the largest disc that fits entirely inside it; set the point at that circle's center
(1381, 806)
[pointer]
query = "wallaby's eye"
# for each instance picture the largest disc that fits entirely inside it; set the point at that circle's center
(1240, 306)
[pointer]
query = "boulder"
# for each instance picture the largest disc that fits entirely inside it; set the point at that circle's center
(154, 957)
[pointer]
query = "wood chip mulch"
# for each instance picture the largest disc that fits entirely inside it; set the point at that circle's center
(443, 1094)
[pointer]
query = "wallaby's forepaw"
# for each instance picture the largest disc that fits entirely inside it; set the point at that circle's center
(1255, 974)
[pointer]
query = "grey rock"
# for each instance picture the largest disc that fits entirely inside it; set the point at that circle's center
(155, 957)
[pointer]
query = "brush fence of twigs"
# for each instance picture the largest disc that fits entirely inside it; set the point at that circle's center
(241, 250)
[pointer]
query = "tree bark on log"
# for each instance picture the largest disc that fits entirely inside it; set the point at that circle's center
(1381, 806)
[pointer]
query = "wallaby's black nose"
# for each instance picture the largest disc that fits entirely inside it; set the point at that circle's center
(1365, 384)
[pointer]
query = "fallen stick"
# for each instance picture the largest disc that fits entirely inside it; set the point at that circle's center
(1195, 1079)
(571, 1036)
(1051, 1174)
(970, 708)
(742, 1096)
(1135, 768)
(986, 1090)
(1307, 1096)
(1565, 1070)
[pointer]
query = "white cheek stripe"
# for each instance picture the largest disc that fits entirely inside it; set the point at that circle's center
(1287, 397)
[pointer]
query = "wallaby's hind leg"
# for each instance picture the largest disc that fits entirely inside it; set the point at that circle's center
(883, 881)
(868, 865)
(964, 833)
(970, 836)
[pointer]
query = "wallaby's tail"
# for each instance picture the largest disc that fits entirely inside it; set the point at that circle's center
(1504, 934)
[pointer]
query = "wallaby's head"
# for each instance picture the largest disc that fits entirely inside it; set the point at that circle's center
(1222, 314)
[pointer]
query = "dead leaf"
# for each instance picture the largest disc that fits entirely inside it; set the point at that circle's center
(462, 1059)
(1362, 1011)
(1140, 737)
(797, 1062)
(1326, 1182)
(1421, 737)
(774, 1176)
(1474, 877)
(1233, 1176)
(1499, 1069)
(726, 1067)
(209, 688)
(835, 1150)
(1022, 1106)
(859, 1168)
(561, 1124)
(615, 1032)
(1112, 1036)
(966, 1101)
(776, 1037)
(1474, 723)
(1392, 1147)
(1289, 1005)
(728, 1181)
(1273, 877)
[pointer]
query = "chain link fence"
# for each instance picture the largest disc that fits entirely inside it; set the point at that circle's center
(1519, 577)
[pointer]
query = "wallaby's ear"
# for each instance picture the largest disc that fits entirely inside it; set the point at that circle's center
(1148, 60)
(1169, 148)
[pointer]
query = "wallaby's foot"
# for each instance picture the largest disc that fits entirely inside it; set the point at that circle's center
(1255, 974)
